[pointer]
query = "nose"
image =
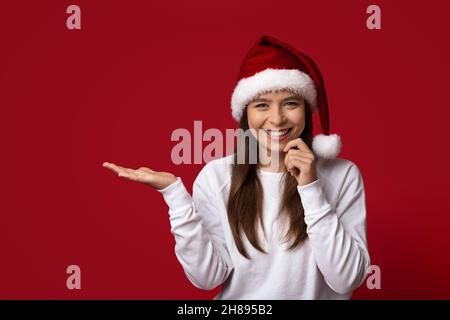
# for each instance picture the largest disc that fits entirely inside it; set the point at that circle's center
(276, 116)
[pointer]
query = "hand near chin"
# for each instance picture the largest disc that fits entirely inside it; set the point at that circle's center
(300, 161)
(157, 180)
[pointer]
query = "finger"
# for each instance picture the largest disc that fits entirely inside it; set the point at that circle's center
(136, 175)
(291, 144)
(146, 170)
(121, 171)
(120, 167)
(298, 162)
(294, 170)
(297, 143)
(305, 158)
(302, 153)
(289, 164)
(111, 166)
(125, 171)
(302, 157)
(291, 167)
(128, 175)
(131, 174)
(107, 165)
(301, 165)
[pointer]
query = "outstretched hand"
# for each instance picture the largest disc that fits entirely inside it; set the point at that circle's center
(158, 180)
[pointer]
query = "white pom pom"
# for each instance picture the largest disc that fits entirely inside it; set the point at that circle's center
(327, 147)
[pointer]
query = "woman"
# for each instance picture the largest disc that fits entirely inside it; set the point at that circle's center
(290, 225)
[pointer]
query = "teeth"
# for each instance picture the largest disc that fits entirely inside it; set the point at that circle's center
(276, 133)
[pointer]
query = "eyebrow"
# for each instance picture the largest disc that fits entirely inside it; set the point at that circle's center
(268, 100)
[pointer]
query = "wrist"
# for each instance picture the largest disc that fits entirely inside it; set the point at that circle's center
(308, 180)
(167, 184)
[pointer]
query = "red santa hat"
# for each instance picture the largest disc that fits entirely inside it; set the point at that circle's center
(273, 65)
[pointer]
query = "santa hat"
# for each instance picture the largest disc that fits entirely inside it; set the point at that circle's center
(272, 65)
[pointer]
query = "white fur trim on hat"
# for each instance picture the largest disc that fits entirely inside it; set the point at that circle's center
(326, 146)
(272, 79)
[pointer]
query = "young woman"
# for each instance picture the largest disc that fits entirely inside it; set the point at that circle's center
(291, 225)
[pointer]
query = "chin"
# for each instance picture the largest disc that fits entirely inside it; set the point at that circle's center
(270, 148)
(277, 149)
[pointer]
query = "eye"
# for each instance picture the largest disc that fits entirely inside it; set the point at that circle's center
(292, 103)
(261, 105)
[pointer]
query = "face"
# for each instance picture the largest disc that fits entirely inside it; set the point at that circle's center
(277, 118)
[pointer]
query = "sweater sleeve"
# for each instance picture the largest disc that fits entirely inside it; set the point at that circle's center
(338, 237)
(199, 242)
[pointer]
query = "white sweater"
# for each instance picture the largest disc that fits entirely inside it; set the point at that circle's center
(330, 264)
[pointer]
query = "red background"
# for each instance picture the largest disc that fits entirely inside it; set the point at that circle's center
(137, 70)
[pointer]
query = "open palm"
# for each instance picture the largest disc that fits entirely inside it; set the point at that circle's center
(158, 180)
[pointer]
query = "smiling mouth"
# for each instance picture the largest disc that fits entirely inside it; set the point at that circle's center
(277, 133)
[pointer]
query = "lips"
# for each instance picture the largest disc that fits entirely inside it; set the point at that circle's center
(277, 134)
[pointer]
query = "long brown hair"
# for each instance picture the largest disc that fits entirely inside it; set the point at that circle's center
(245, 203)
